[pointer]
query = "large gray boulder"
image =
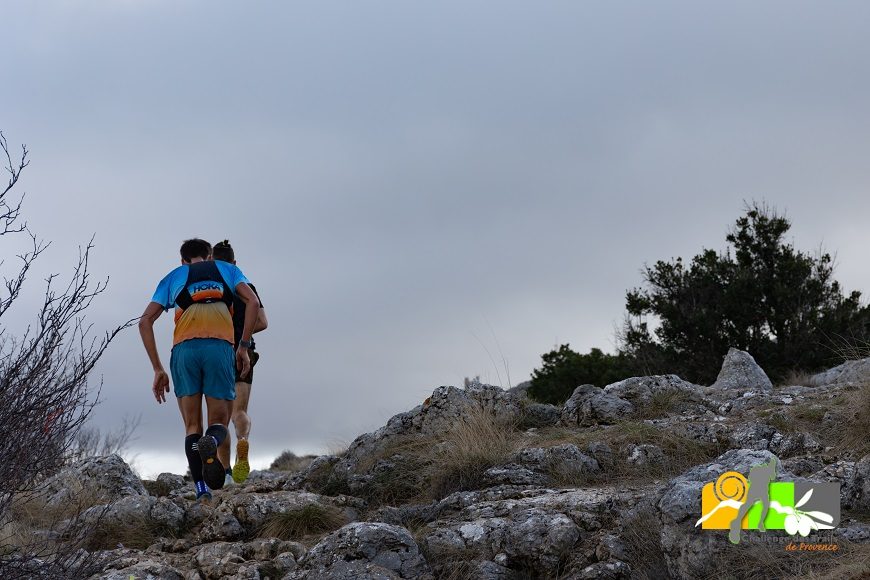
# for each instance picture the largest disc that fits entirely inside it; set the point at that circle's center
(94, 480)
(690, 552)
(641, 391)
(267, 557)
(537, 530)
(157, 513)
(372, 544)
(850, 372)
(740, 372)
(589, 405)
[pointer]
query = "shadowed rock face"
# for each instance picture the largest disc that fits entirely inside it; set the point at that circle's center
(690, 553)
(531, 514)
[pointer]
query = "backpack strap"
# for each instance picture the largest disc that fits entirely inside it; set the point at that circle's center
(204, 285)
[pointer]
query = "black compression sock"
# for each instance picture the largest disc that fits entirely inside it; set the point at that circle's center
(218, 431)
(193, 459)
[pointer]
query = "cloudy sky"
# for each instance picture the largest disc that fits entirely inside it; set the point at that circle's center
(420, 191)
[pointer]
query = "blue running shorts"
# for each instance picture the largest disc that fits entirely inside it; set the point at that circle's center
(204, 365)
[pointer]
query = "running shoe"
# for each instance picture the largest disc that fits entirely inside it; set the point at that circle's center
(212, 470)
(242, 468)
(203, 494)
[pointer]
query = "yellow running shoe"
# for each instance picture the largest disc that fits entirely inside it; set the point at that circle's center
(242, 468)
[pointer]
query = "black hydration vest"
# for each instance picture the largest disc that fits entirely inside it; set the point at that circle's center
(204, 285)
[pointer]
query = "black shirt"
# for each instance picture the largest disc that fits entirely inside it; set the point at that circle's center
(239, 316)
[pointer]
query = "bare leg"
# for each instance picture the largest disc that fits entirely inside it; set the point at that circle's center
(241, 420)
(219, 411)
(191, 413)
(223, 451)
(242, 423)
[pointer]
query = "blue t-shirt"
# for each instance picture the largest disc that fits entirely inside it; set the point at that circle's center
(199, 320)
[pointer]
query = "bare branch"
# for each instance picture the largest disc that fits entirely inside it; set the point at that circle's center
(45, 389)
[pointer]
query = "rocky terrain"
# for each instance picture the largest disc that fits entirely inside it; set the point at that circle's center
(478, 482)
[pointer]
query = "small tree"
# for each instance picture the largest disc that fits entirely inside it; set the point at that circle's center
(43, 385)
(760, 295)
(563, 370)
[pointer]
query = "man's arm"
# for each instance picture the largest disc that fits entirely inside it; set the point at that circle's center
(252, 311)
(146, 330)
(262, 323)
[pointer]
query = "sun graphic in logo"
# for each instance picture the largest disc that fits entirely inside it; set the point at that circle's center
(721, 499)
(731, 485)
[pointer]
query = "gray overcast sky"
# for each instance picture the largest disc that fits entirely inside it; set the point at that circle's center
(410, 184)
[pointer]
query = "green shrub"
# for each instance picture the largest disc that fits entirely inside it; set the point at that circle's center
(563, 370)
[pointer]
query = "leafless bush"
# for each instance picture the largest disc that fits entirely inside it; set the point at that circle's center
(91, 442)
(43, 382)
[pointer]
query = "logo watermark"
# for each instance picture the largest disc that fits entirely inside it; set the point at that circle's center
(735, 503)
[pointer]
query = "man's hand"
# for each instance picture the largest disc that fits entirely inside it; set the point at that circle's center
(161, 385)
(243, 361)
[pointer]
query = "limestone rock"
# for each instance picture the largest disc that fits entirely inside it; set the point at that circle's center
(850, 372)
(100, 479)
(645, 455)
(353, 570)
(437, 414)
(389, 547)
(539, 414)
(151, 569)
(740, 372)
(856, 491)
(689, 553)
(565, 459)
(641, 391)
(160, 514)
(514, 474)
(535, 530)
(589, 405)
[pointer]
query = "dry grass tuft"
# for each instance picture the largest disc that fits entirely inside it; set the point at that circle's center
(664, 402)
(798, 378)
(641, 533)
(478, 441)
(765, 560)
(296, 524)
(853, 432)
(137, 533)
(30, 517)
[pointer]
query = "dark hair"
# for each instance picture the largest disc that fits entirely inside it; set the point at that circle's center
(195, 248)
(224, 251)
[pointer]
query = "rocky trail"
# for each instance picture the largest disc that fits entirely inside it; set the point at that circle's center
(486, 484)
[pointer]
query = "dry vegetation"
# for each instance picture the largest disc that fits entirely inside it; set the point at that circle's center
(477, 442)
(680, 452)
(662, 403)
(641, 533)
(299, 523)
(770, 560)
(853, 430)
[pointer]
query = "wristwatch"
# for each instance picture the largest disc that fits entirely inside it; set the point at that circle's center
(246, 343)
